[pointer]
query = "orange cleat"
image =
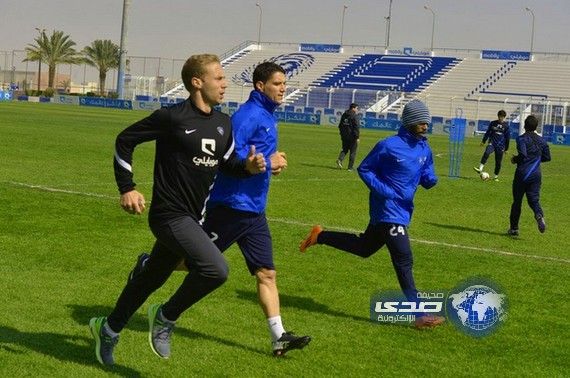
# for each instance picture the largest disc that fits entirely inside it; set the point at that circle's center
(311, 239)
(428, 321)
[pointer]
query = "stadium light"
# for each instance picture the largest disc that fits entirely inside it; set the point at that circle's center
(432, 25)
(41, 31)
(528, 9)
(260, 20)
(342, 24)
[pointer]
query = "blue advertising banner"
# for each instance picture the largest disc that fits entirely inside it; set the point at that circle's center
(380, 124)
(316, 47)
(311, 119)
(6, 96)
(505, 55)
(105, 102)
(561, 138)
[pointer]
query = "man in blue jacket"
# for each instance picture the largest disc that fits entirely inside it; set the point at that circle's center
(235, 211)
(392, 172)
(532, 150)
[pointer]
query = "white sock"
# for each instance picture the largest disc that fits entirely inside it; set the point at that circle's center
(275, 327)
(496, 176)
(481, 167)
(109, 331)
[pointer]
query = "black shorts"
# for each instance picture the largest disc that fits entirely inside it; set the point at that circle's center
(249, 230)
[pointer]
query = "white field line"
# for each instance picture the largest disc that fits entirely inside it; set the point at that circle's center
(297, 223)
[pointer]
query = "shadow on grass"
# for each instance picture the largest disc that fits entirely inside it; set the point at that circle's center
(301, 303)
(467, 229)
(73, 349)
(82, 314)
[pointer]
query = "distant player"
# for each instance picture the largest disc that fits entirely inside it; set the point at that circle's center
(349, 128)
(532, 150)
(498, 135)
(392, 171)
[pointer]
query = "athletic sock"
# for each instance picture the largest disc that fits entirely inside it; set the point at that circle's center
(275, 327)
(481, 167)
(109, 331)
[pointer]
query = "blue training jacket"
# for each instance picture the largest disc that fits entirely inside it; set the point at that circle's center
(392, 172)
(253, 124)
(533, 150)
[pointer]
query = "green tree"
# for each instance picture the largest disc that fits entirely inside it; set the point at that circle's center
(103, 55)
(53, 50)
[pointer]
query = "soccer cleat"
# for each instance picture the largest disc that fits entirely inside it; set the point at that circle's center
(512, 232)
(289, 341)
(496, 179)
(339, 164)
(428, 321)
(141, 262)
(104, 343)
(477, 170)
(311, 239)
(159, 331)
(541, 223)
(351, 169)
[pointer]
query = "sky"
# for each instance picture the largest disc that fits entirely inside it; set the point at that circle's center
(179, 28)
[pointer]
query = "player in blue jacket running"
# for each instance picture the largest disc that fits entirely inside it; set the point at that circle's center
(532, 150)
(392, 171)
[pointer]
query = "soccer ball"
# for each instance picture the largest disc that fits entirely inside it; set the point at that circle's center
(484, 176)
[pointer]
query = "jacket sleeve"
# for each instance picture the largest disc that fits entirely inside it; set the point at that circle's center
(147, 129)
(507, 134)
(231, 164)
(356, 126)
(428, 179)
(487, 134)
(370, 172)
(545, 153)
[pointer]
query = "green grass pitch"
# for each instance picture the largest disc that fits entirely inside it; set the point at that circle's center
(67, 248)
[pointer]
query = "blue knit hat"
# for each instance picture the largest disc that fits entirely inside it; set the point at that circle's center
(415, 112)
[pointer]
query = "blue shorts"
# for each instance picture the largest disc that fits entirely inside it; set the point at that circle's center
(249, 230)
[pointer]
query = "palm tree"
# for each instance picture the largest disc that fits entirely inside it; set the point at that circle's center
(52, 50)
(104, 55)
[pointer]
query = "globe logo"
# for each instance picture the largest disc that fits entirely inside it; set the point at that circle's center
(477, 309)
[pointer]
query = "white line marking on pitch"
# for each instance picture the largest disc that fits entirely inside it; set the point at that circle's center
(478, 249)
(293, 222)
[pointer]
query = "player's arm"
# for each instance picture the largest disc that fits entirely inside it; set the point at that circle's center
(487, 135)
(142, 131)
(369, 168)
(428, 178)
(521, 150)
(545, 152)
(507, 134)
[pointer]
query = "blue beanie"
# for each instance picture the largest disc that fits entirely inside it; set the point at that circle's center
(415, 112)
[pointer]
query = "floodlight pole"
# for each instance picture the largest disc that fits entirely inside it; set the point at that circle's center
(41, 31)
(123, 49)
(388, 25)
(528, 9)
(260, 21)
(432, 26)
(342, 24)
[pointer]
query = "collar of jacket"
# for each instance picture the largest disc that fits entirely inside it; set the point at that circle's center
(263, 101)
(406, 135)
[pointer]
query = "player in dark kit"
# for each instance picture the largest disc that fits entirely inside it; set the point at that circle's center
(349, 128)
(499, 136)
(532, 150)
(193, 141)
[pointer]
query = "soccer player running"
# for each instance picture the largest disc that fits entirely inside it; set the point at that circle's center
(349, 128)
(392, 172)
(532, 150)
(499, 136)
(236, 208)
(193, 141)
